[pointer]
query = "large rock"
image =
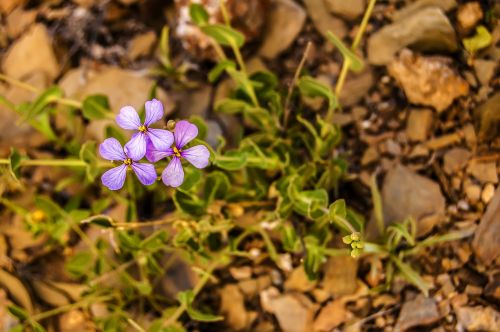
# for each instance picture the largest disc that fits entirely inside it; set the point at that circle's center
(294, 312)
(416, 6)
(407, 194)
(417, 312)
(323, 20)
(427, 30)
(486, 243)
(285, 22)
(428, 80)
(349, 9)
(340, 275)
(478, 318)
(32, 52)
(356, 87)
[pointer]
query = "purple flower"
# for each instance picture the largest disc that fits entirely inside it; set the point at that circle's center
(173, 174)
(129, 119)
(114, 178)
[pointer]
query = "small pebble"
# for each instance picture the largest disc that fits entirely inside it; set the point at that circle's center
(488, 192)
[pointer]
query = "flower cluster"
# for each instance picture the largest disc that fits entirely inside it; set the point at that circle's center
(154, 144)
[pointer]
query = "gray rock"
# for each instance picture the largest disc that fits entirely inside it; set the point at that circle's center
(417, 312)
(486, 243)
(406, 194)
(478, 318)
(286, 20)
(323, 20)
(418, 5)
(356, 87)
(427, 30)
(349, 9)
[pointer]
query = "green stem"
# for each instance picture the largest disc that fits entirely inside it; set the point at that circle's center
(56, 162)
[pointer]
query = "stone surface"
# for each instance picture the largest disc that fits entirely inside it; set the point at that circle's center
(488, 193)
(428, 80)
(484, 172)
(478, 318)
(487, 118)
(6, 6)
(469, 14)
(485, 69)
(32, 52)
(286, 21)
(294, 312)
(340, 275)
(419, 124)
(356, 87)
(486, 243)
(298, 281)
(323, 20)
(417, 312)
(331, 316)
(141, 45)
(233, 308)
(427, 30)
(455, 160)
(19, 20)
(349, 9)
(418, 5)
(405, 194)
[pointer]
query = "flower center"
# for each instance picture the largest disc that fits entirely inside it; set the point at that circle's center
(128, 161)
(142, 129)
(177, 152)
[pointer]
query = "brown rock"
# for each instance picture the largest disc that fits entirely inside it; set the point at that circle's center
(294, 312)
(487, 193)
(406, 194)
(419, 124)
(486, 243)
(6, 6)
(331, 316)
(473, 193)
(297, 280)
(348, 9)
(485, 69)
(141, 45)
(286, 19)
(428, 80)
(233, 307)
(340, 275)
(478, 318)
(415, 6)
(455, 160)
(32, 52)
(417, 312)
(487, 118)
(356, 87)
(469, 14)
(484, 172)
(322, 20)
(19, 20)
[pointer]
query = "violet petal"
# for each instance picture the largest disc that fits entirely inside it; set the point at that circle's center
(136, 147)
(173, 174)
(197, 155)
(146, 173)
(184, 133)
(154, 112)
(111, 149)
(115, 177)
(128, 118)
(162, 139)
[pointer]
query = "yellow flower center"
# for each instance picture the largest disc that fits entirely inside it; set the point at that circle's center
(142, 129)
(177, 153)
(128, 161)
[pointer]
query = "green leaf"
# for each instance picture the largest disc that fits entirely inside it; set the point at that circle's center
(48, 96)
(290, 239)
(15, 163)
(480, 40)
(314, 257)
(48, 206)
(243, 82)
(231, 106)
(101, 220)
(310, 203)
(88, 155)
(198, 14)
(411, 275)
(338, 209)
(222, 66)
(128, 241)
(96, 107)
(377, 205)
(216, 186)
(80, 264)
(188, 203)
(143, 287)
(224, 35)
(231, 161)
(311, 87)
(155, 242)
(18, 312)
(186, 298)
(355, 63)
(111, 131)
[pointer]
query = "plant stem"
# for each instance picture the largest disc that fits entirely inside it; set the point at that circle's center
(55, 162)
(357, 39)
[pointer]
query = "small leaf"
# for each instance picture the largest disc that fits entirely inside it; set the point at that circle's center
(231, 161)
(88, 155)
(99, 220)
(411, 275)
(80, 264)
(480, 40)
(311, 87)
(96, 107)
(186, 298)
(231, 106)
(222, 66)
(355, 63)
(310, 203)
(216, 186)
(15, 163)
(188, 203)
(111, 131)
(46, 97)
(198, 14)
(338, 209)
(18, 312)
(224, 35)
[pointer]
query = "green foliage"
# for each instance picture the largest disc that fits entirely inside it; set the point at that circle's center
(480, 40)
(355, 62)
(96, 107)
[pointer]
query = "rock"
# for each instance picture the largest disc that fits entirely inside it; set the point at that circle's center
(485, 69)
(492, 289)
(286, 19)
(455, 160)
(468, 15)
(233, 307)
(294, 312)
(6, 6)
(195, 102)
(487, 193)
(419, 124)
(331, 316)
(251, 287)
(418, 5)
(417, 312)
(487, 118)
(405, 194)
(486, 243)
(473, 193)
(141, 45)
(428, 80)
(340, 275)
(426, 30)
(484, 172)
(322, 20)
(298, 281)
(478, 318)
(348, 9)
(19, 20)
(370, 155)
(32, 52)
(356, 87)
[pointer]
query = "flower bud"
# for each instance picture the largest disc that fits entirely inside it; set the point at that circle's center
(170, 124)
(347, 239)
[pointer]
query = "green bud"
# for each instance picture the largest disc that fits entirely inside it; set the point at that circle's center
(356, 236)
(360, 245)
(347, 239)
(355, 253)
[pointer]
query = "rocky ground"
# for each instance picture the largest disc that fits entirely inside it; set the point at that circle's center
(424, 115)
